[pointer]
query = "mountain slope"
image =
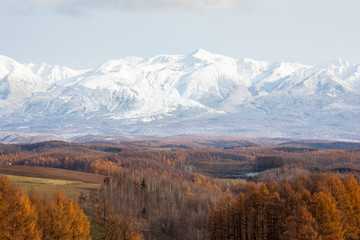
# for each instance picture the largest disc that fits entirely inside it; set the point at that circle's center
(174, 94)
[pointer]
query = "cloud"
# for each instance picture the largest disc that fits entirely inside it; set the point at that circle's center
(153, 5)
(192, 5)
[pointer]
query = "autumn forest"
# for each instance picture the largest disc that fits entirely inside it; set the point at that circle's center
(162, 190)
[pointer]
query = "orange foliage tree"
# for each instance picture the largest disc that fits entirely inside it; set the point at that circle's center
(28, 217)
(319, 206)
(17, 215)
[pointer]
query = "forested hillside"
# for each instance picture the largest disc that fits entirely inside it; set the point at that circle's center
(202, 193)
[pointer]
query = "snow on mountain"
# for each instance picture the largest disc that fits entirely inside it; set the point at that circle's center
(172, 94)
(349, 72)
(54, 73)
(17, 80)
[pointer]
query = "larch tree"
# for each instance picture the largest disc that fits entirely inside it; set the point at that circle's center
(353, 193)
(238, 210)
(344, 204)
(273, 216)
(17, 215)
(327, 217)
(106, 225)
(63, 219)
(302, 226)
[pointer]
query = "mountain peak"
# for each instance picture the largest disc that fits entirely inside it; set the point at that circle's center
(336, 63)
(8, 65)
(4, 60)
(201, 53)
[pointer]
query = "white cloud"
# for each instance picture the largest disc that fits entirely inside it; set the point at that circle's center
(188, 5)
(193, 5)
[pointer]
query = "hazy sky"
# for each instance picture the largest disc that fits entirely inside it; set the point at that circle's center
(85, 33)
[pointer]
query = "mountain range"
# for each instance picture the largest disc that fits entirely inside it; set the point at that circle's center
(199, 93)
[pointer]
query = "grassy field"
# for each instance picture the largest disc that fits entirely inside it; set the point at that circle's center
(45, 181)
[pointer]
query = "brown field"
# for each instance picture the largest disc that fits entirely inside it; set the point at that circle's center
(45, 181)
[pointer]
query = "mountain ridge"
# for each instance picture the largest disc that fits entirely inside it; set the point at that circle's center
(183, 94)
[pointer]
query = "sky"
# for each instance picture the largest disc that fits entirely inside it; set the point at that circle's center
(86, 33)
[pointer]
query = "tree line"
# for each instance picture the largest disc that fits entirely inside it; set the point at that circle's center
(317, 206)
(89, 157)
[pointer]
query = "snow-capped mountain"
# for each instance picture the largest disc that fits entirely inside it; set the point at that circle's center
(173, 94)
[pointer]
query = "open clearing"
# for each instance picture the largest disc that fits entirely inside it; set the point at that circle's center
(45, 181)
